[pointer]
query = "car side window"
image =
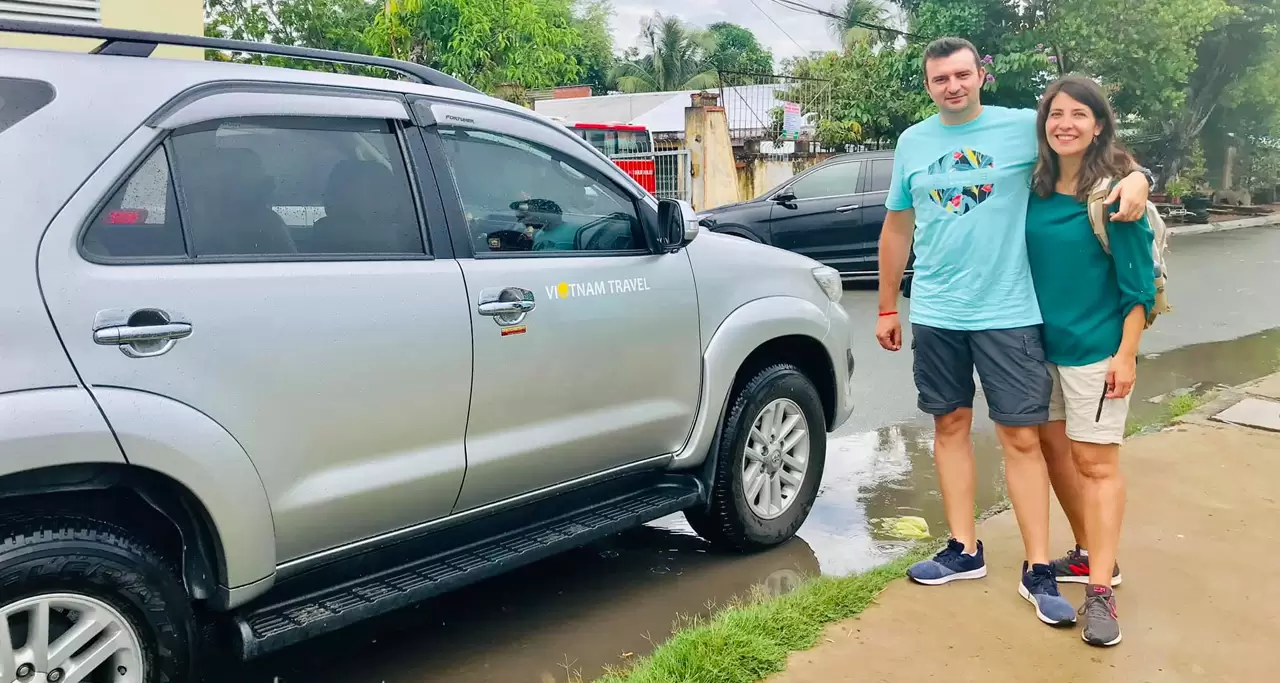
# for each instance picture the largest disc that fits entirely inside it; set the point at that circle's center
(267, 187)
(881, 175)
(833, 181)
(519, 196)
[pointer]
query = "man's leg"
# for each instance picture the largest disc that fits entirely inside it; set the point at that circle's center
(1018, 386)
(944, 378)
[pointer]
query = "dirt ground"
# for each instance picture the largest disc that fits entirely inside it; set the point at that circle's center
(1199, 602)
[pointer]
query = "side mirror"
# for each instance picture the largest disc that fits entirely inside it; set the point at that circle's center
(677, 223)
(785, 196)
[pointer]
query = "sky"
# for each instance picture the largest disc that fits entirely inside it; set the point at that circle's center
(807, 32)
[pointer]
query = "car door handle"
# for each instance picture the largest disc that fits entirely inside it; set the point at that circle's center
(141, 334)
(496, 308)
(847, 209)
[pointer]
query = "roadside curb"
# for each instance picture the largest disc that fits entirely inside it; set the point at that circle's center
(1255, 222)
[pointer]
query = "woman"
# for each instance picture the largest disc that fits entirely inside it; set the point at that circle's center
(1094, 306)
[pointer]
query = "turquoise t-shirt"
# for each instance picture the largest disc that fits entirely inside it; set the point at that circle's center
(969, 185)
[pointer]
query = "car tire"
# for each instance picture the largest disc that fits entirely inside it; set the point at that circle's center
(70, 567)
(732, 521)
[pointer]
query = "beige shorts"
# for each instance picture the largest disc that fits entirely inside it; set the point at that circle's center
(1078, 397)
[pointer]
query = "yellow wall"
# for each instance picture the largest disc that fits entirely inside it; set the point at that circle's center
(166, 16)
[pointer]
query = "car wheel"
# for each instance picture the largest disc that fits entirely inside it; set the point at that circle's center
(769, 464)
(83, 601)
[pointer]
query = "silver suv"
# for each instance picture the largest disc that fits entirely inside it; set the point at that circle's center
(282, 350)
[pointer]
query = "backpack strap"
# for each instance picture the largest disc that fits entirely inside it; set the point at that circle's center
(1097, 206)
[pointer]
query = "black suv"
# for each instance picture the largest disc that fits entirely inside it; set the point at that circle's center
(831, 212)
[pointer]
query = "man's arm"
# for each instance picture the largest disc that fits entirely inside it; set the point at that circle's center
(895, 250)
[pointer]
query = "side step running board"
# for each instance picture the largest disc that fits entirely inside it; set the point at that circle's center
(263, 628)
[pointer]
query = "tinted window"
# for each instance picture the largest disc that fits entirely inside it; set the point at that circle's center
(141, 219)
(285, 186)
(881, 175)
(20, 98)
(830, 181)
(521, 197)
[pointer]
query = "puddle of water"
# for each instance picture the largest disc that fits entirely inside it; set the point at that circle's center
(613, 600)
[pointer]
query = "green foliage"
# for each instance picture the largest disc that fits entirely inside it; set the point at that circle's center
(853, 18)
(736, 49)
(674, 56)
(323, 24)
(880, 90)
(1145, 49)
(484, 42)
(594, 53)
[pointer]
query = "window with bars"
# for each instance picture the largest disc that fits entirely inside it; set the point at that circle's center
(69, 11)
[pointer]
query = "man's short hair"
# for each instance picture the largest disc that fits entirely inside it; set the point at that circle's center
(945, 47)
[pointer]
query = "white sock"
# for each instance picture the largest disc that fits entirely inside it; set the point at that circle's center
(1084, 553)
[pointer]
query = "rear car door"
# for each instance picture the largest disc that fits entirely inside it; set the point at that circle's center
(822, 220)
(587, 346)
(262, 257)
(865, 253)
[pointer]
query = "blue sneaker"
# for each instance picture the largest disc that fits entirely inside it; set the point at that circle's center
(1040, 588)
(950, 565)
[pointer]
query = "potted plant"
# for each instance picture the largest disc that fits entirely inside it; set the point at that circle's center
(1177, 188)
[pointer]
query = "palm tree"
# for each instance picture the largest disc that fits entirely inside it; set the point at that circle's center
(849, 26)
(675, 58)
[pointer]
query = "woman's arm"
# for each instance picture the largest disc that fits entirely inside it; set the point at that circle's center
(1131, 250)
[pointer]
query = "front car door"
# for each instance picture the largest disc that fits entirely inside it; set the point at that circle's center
(587, 348)
(823, 217)
(312, 315)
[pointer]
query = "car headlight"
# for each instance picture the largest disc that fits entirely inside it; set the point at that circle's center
(828, 279)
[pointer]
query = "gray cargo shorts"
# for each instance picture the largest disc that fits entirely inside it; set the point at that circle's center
(1011, 365)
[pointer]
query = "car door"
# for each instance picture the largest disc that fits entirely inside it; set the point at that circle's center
(818, 215)
(342, 367)
(864, 258)
(587, 346)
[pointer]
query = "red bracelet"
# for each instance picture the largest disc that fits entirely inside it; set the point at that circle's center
(885, 314)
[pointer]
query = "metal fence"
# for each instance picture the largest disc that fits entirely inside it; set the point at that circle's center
(673, 174)
(754, 103)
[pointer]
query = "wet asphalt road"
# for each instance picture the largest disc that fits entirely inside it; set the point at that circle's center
(610, 601)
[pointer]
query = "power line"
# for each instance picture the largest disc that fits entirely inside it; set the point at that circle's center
(797, 6)
(784, 31)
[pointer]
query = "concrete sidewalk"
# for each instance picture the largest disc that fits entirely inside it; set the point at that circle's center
(1199, 600)
(1269, 220)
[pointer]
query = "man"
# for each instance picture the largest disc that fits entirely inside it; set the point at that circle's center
(961, 182)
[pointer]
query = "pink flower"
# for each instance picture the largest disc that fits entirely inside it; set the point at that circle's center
(988, 59)
(991, 78)
(1053, 60)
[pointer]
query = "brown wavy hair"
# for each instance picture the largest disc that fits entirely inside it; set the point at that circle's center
(1105, 157)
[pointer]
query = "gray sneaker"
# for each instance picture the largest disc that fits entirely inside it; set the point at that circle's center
(1100, 625)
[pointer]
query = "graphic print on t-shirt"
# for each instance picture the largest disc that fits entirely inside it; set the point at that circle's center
(960, 200)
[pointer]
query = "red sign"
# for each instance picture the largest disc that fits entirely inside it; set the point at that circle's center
(644, 171)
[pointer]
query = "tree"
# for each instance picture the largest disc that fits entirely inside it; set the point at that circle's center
(674, 57)
(878, 91)
(323, 24)
(595, 53)
(736, 49)
(853, 21)
(487, 43)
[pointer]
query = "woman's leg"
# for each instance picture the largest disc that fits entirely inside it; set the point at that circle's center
(1064, 477)
(1102, 493)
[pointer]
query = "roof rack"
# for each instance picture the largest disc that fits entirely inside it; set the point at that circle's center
(128, 43)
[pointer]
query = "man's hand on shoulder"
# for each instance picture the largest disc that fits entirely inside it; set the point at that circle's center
(1132, 193)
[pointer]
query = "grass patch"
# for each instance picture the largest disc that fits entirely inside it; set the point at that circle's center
(1175, 407)
(752, 637)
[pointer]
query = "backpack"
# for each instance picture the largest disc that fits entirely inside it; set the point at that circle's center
(1098, 219)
